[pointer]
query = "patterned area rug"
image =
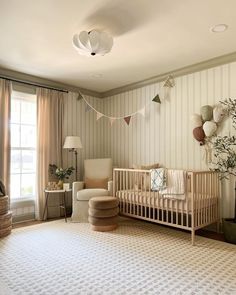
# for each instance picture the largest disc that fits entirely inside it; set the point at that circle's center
(137, 258)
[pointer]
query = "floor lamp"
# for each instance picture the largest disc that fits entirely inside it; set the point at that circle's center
(73, 143)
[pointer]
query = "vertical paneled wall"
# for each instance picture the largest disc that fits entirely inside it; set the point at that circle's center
(81, 123)
(164, 135)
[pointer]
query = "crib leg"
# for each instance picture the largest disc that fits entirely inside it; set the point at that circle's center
(193, 237)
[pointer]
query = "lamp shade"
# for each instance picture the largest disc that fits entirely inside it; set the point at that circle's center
(72, 142)
(92, 43)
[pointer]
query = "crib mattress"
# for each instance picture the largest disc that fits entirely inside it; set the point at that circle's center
(155, 200)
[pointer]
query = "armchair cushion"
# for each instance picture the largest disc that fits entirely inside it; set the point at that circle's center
(96, 183)
(98, 168)
(87, 194)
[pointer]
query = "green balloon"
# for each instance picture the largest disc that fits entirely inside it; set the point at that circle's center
(206, 113)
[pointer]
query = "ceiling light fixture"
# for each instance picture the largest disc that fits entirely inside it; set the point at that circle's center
(93, 43)
(220, 28)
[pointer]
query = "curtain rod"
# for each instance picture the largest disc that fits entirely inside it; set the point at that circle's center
(33, 84)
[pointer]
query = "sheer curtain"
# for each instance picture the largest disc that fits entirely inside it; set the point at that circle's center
(49, 145)
(5, 116)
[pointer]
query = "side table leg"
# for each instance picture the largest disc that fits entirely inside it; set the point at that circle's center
(65, 206)
(46, 205)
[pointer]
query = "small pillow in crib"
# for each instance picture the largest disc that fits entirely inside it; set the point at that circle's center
(147, 178)
(145, 181)
(149, 167)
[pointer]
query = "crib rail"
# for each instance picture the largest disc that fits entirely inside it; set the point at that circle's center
(199, 208)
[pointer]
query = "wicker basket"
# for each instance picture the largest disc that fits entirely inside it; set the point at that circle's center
(5, 231)
(4, 205)
(5, 217)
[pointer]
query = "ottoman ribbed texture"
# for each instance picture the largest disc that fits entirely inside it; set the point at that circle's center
(103, 213)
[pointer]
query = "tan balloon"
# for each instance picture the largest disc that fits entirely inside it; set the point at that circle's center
(209, 128)
(196, 120)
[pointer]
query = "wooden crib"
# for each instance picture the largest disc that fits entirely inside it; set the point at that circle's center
(199, 208)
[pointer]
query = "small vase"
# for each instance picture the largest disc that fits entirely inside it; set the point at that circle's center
(60, 184)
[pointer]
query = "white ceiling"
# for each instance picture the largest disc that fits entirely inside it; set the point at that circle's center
(151, 37)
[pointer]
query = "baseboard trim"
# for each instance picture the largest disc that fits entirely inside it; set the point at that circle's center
(23, 217)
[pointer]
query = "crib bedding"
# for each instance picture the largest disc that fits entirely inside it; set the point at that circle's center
(155, 200)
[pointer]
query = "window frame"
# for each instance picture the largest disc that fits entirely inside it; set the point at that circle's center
(22, 96)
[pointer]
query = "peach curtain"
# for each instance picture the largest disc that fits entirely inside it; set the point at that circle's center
(5, 151)
(49, 145)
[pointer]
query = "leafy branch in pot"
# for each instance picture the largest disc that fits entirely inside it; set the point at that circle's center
(231, 108)
(64, 173)
(60, 173)
(224, 148)
(225, 154)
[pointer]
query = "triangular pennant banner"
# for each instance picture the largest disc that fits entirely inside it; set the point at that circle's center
(169, 82)
(112, 120)
(127, 120)
(157, 99)
(142, 112)
(99, 115)
(87, 108)
(79, 96)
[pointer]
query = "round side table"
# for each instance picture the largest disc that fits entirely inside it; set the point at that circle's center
(62, 205)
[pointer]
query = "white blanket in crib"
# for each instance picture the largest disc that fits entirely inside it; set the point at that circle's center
(176, 185)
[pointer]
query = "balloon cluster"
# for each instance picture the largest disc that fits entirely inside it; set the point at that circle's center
(205, 125)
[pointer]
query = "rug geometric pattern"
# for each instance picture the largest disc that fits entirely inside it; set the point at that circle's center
(58, 258)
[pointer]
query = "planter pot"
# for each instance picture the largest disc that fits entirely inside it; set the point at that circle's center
(229, 226)
(60, 184)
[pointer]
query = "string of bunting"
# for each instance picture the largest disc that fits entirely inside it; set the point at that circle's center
(168, 84)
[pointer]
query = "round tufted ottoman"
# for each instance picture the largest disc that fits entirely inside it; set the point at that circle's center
(103, 213)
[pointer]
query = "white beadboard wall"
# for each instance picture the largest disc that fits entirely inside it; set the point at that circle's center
(165, 134)
(79, 122)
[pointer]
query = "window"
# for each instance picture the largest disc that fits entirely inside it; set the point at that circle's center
(23, 146)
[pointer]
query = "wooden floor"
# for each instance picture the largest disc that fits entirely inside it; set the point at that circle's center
(201, 232)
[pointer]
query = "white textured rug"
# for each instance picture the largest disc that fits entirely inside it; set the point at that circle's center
(137, 258)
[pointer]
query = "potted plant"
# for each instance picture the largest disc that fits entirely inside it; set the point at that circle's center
(63, 174)
(224, 148)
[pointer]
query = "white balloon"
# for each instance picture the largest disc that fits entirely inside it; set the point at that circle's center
(218, 113)
(209, 128)
(196, 120)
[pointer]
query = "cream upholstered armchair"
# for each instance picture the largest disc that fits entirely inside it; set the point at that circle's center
(97, 182)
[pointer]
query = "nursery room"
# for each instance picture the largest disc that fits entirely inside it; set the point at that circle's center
(117, 147)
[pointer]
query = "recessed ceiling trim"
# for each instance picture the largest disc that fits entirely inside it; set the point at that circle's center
(211, 63)
(10, 74)
(214, 62)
